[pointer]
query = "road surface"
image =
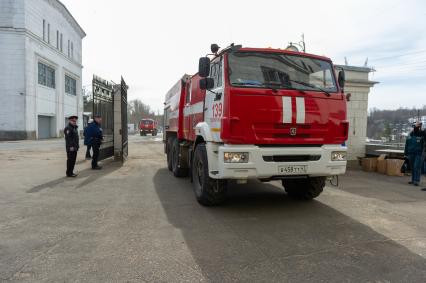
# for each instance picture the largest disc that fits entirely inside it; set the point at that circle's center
(137, 223)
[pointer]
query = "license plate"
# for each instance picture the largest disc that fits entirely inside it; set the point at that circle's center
(292, 169)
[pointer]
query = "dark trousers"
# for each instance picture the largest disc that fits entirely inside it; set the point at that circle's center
(416, 164)
(71, 157)
(95, 156)
(88, 151)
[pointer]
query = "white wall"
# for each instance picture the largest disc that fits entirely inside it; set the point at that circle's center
(12, 81)
(51, 101)
(12, 13)
(358, 85)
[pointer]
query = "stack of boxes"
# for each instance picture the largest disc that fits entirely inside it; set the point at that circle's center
(383, 165)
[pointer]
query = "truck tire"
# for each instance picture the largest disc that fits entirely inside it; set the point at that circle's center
(141, 133)
(169, 147)
(305, 189)
(177, 171)
(208, 191)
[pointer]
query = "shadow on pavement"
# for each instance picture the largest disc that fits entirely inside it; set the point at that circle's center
(109, 166)
(260, 234)
(382, 187)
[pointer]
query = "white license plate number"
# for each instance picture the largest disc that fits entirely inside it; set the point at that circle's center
(292, 169)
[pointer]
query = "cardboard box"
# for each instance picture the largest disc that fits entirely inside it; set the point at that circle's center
(369, 164)
(381, 164)
(381, 157)
(393, 167)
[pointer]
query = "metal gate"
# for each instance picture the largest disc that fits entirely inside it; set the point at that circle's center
(124, 127)
(103, 104)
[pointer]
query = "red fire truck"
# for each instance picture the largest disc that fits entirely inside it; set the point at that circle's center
(148, 126)
(257, 113)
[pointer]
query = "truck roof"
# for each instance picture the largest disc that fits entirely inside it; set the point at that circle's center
(284, 51)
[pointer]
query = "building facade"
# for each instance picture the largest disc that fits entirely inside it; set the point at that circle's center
(357, 87)
(41, 68)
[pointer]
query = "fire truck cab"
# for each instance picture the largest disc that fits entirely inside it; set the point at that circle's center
(148, 126)
(257, 113)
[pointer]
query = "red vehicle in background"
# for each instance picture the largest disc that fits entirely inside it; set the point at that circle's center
(257, 113)
(148, 126)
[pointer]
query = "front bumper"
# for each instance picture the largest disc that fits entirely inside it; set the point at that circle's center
(146, 130)
(258, 168)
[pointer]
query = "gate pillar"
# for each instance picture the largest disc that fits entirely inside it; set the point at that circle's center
(120, 122)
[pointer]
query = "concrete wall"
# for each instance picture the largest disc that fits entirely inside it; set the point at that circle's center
(12, 85)
(21, 48)
(358, 86)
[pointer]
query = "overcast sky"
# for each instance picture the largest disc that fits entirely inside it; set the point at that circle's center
(153, 43)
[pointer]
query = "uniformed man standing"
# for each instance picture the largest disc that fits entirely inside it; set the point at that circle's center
(71, 144)
(414, 147)
(95, 136)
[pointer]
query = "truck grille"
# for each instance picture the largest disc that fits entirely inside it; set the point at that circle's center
(291, 158)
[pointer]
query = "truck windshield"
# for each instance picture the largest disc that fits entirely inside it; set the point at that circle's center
(147, 122)
(277, 70)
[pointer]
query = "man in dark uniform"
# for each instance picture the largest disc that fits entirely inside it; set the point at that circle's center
(95, 137)
(414, 148)
(71, 144)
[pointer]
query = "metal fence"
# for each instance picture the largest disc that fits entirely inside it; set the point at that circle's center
(103, 104)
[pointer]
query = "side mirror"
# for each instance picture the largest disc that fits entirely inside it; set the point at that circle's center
(206, 83)
(204, 67)
(214, 48)
(341, 80)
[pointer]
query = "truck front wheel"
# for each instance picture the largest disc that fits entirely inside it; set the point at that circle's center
(208, 191)
(306, 189)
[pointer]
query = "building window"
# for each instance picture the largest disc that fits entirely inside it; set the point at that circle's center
(61, 43)
(57, 39)
(48, 33)
(72, 49)
(44, 30)
(46, 75)
(69, 48)
(70, 85)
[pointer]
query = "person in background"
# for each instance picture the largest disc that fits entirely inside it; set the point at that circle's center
(414, 146)
(94, 133)
(71, 144)
(87, 141)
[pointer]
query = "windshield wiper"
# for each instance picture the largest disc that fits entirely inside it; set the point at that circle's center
(276, 85)
(312, 86)
(247, 84)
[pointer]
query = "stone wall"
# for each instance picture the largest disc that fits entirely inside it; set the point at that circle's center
(358, 86)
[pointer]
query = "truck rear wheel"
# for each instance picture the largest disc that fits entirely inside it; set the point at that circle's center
(177, 171)
(208, 191)
(306, 189)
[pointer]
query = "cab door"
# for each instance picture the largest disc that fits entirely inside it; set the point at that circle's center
(214, 99)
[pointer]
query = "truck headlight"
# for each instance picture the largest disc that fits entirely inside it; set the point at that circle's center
(235, 157)
(338, 156)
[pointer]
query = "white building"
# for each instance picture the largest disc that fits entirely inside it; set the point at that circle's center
(41, 68)
(358, 85)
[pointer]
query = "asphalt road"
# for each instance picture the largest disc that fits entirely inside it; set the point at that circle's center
(137, 223)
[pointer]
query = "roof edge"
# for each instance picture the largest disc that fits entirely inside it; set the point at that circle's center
(62, 8)
(355, 68)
